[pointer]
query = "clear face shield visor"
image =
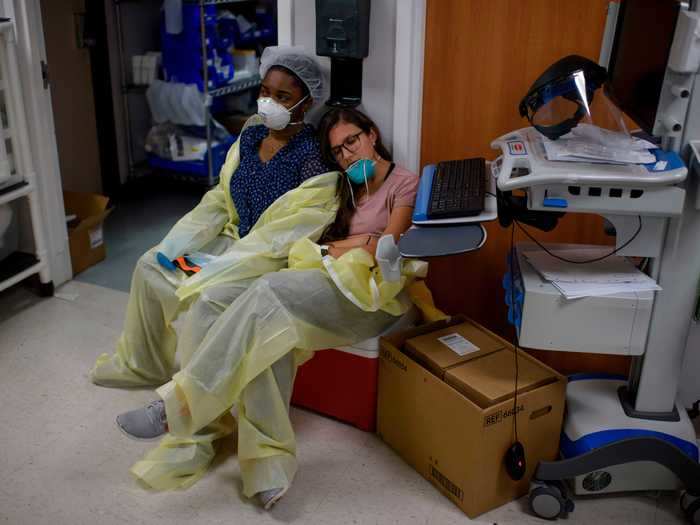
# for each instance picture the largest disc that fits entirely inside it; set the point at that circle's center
(557, 107)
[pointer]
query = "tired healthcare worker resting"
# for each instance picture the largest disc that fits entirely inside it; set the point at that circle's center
(328, 296)
(270, 194)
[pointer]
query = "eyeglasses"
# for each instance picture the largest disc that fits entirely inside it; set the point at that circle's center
(351, 144)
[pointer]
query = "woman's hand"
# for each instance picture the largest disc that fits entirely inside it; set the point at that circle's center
(334, 251)
(399, 222)
(365, 241)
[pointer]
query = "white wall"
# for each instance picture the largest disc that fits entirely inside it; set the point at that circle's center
(378, 67)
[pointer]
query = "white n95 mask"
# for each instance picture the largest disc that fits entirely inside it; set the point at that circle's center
(274, 115)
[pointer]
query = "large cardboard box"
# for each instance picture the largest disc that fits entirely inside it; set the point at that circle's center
(456, 440)
(85, 232)
(489, 379)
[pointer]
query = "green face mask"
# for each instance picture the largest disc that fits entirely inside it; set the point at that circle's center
(361, 171)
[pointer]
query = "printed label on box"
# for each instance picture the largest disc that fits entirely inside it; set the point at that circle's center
(446, 483)
(458, 344)
(96, 237)
(501, 415)
(391, 359)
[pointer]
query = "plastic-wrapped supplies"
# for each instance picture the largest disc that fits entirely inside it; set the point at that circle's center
(172, 148)
(176, 103)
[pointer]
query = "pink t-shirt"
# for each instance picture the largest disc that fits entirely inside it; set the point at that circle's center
(372, 213)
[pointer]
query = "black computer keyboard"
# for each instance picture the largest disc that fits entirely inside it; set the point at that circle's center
(458, 189)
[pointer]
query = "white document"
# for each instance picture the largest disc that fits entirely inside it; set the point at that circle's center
(579, 290)
(458, 344)
(573, 150)
(614, 139)
(613, 269)
(588, 143)
(609, 276)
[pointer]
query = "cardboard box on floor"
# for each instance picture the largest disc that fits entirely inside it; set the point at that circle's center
(457, 437)
(85, 233)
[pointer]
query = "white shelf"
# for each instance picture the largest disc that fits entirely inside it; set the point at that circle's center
(20, 275)
(237, 86)
(22, 191)
(19, 265)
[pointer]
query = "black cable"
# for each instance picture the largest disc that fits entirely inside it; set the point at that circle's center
(515, 336)
(512, 292)
(588, 261)
(695, 410)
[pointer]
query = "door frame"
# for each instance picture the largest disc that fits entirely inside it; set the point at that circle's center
(31, 48)
(408, 82)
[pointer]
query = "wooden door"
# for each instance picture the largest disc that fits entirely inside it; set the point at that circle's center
(481, 56)
(72, 96)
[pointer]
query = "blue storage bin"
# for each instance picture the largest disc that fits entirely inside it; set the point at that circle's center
(182, 53)
(267, 27)
(197, 168)
(229, 32)
(514, 294)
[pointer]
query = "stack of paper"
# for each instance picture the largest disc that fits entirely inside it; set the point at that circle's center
(588, 143)
(609, 276)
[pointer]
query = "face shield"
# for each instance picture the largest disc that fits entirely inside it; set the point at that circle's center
(562, 96)
(560, 105)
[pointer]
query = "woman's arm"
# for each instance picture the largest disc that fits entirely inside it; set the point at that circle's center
(399, 222)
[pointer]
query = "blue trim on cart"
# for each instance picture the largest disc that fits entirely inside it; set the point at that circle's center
(570, 449)
(555, 202)
(420, 211)
(673, 161)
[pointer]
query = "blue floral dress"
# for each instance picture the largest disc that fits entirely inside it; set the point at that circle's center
(256, 184)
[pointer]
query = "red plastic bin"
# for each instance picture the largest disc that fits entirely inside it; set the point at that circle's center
(342, 382)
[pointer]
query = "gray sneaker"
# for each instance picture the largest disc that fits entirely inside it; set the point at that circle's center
(144, 423)
(267, 498)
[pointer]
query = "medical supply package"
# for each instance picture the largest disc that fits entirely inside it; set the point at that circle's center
(455, 431)
(441, 350)
(87, 212)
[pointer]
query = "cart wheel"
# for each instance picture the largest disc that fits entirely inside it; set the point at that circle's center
(46, 289)
(690, 505)
(548, 501)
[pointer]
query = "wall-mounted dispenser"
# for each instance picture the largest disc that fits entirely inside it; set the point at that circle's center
(342, 33)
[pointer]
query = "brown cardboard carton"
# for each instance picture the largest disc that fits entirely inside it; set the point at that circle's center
(489, 379)
(85, 233)
(452, 441)
(438, 356)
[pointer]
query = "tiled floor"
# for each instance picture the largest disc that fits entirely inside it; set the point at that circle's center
(63, 461)
(141, 217)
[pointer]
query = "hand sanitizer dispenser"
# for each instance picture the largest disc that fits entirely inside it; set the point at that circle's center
(342, 33)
